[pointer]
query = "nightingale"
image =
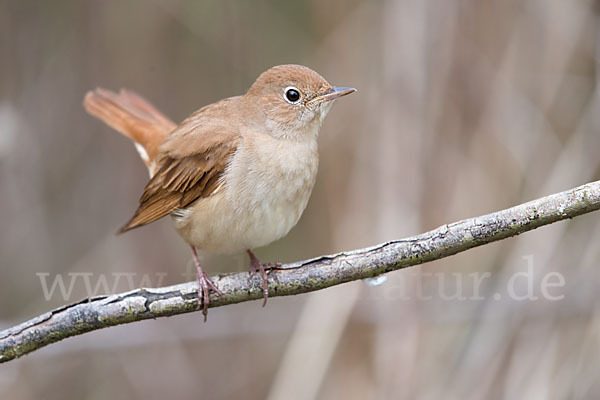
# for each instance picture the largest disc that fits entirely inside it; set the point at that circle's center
(234, 175)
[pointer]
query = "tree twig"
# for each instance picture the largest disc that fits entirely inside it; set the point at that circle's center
(299, 277)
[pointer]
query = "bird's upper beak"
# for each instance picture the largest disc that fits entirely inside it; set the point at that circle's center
(333, 94)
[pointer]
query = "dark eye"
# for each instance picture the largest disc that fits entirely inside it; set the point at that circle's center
(292, 95)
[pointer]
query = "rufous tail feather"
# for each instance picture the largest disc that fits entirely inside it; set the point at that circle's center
(134, 117)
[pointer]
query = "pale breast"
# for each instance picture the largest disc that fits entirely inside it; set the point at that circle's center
(265, 191)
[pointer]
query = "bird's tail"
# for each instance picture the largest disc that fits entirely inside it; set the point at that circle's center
(134, 117)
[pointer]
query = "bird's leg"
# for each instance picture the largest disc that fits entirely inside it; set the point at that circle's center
(204, 285)
(257, 266)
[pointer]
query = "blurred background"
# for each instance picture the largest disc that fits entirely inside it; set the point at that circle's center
(464, 107)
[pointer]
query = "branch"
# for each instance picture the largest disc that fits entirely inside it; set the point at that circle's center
(299, 277)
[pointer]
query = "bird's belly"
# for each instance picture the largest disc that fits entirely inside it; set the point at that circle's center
(247, 214)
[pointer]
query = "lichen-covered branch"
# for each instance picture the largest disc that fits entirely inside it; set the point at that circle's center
(299, 277)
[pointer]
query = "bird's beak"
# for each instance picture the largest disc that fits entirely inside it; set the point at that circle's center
(332, 94)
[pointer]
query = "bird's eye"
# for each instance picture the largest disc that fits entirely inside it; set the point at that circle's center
(292, 95)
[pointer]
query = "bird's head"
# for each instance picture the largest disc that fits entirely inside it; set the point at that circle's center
(294, 100)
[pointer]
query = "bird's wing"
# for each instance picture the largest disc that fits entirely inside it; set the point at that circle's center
(193, 159)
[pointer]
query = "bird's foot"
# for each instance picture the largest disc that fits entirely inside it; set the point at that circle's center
(255, 267)
(204, 287)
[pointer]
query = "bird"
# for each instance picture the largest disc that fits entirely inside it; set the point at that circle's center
(235, 175)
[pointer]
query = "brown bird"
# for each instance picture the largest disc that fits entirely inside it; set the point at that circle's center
(236, 174)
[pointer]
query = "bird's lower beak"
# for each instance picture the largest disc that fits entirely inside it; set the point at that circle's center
(333, 94)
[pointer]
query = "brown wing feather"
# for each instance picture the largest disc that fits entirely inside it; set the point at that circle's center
(179, 182)
(191, 163)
